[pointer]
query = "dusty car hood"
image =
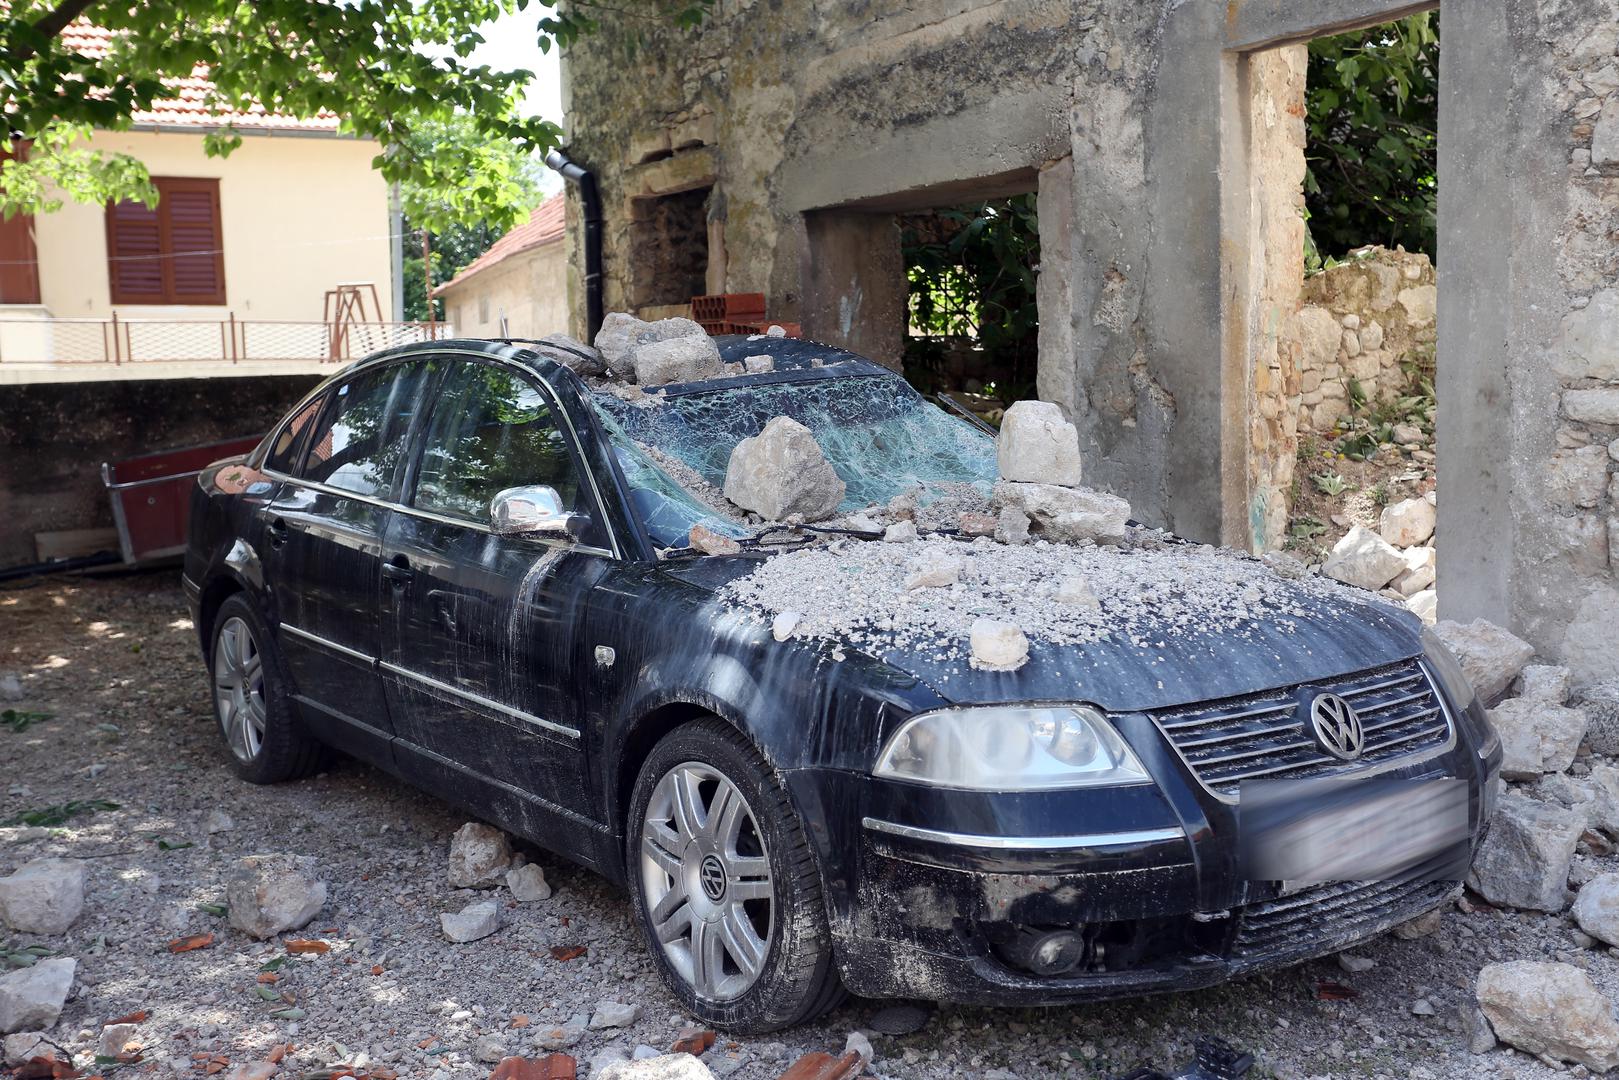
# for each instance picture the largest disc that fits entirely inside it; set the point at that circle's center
(1334, 636)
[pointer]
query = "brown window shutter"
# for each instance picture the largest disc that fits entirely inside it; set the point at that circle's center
(171, 254)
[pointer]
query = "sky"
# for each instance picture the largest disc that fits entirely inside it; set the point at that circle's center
(509, 43)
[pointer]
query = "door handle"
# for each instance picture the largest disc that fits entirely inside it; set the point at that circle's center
(397, 572)
(277, 530)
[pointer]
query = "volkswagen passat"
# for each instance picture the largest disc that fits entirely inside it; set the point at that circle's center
(467, 564)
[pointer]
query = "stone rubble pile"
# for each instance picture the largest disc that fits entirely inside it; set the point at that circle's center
(1397, 560)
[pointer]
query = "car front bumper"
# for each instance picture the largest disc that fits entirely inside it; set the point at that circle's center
(947, 910)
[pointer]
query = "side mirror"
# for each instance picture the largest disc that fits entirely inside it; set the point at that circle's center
(532, 511)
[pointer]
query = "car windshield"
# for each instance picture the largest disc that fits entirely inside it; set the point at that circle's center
(882, 437)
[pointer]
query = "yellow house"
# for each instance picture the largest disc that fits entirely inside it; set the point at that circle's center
(281, 254)
(521, 280)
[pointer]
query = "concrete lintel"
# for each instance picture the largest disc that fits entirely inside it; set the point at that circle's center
(1265, 24)
(685, 171)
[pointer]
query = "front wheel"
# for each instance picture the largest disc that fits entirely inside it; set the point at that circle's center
(726, 888)
(267, 742)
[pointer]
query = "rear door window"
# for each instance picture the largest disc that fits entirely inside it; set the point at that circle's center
(362, 436)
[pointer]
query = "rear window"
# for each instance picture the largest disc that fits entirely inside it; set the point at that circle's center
(290, 440)
(362, 436)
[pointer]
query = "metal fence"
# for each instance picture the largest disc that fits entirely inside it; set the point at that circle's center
(230, 340)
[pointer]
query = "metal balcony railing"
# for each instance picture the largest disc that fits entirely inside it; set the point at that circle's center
(229, 340)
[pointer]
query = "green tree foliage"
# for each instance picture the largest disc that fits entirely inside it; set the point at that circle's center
(973, 276)
(1372, 109)
(387, 68)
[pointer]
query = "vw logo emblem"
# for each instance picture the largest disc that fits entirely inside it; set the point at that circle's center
(1336, 726)
(713, 875)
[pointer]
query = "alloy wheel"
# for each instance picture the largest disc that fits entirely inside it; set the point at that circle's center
(239, 688)
(705, 874)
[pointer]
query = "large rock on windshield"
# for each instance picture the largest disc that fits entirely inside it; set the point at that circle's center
(1038, 445)
(1554, 1010)
(1065, 513)
(621, 336)
(1490, 656)
(1364, 559)
(782, 473)
(678, 360)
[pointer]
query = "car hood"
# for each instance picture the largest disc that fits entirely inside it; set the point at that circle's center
(1324, 636)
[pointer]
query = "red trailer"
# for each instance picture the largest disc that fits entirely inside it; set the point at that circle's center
(151, 495)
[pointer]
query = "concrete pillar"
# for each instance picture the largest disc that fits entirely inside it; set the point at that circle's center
(854, 288)
(1054, 286)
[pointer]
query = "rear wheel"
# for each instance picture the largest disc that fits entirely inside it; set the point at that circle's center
(266, 741)
(726, 888)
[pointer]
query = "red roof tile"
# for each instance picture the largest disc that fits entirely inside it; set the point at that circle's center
(544, 226)
(188, 108)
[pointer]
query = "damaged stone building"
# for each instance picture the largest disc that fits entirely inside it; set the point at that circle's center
(773, 149)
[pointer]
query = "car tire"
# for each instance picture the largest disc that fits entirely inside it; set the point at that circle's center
(264, 740)
(782, 973)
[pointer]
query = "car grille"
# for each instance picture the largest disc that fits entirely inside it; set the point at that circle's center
(1241, 738)
(1325, 917)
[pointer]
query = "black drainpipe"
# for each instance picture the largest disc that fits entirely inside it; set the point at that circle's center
(590, 200)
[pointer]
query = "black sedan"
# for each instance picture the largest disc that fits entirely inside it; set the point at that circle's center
(468, 564)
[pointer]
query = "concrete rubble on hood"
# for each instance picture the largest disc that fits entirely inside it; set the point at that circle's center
(622, 337)
(1490, 655)
(1070, 514)
(781, 473)
(1363, 559)
(480, 855)
(268, 894)
(998, 646)
(44, 896)
(31, 998)
(1550, 1009)
(1524, 860)
(1036, 443)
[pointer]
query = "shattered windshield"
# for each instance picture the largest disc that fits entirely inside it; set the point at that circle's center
(881, 436)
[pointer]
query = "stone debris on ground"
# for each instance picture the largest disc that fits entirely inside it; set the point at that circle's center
(1491, 656)
(31, 998)
(1550, 1009)
(527, 883)
(43, 896)
(782, 473)
(1524, 861)
(480, 855)
(268, 894)
(1364, 559)
(471, 923)
(1596, 908)
(1537, 736)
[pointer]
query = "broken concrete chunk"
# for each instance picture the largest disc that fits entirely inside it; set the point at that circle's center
(678, 1066)
(1524, 860)
(114, 1037)
(1545, 682)
(1012, 527)
(574, 355)
(783, 625)
(1065, 513)
(1424, 605)
(934, 568)
(1076, 591)
(528, 883)
(1490, 656)
(998, 646)
(1420, 571)
(901, 532)
(1550, 1009)
(613, 1014)
(23, 1047)
(620, 334)
(1596, 908)
(970, 523)
(1407, 523)
(31, 998)
(758, 365)
(1363, 559)
(677, 360)
(472, 922)
(710, 542)
(44, 896)
(781, 472)
(1536, 736)
(480, 855)
(268, 894)
(1037, 444)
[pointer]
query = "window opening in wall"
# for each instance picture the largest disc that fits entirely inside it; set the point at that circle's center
(669, 245)
(973, 327)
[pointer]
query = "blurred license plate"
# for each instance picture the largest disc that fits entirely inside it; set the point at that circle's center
(1303, 832)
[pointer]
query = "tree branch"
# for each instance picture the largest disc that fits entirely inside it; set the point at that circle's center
(53, 23)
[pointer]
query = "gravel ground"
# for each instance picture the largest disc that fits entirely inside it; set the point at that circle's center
(114, 660)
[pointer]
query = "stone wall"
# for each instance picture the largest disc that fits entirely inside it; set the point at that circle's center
(1369, 319)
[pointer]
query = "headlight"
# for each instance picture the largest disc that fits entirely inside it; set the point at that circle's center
(1007, 748)
(1452, 679)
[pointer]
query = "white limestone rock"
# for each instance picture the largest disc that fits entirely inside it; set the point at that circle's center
(900, 532)
(935, 567)
(268, 894)
(1545, 682)
(1012, 526)
(1536, 736)
(1421, 570)
(1037, 444)
(44, 896)
(1595, 796)
(471, 923)
(781, 472)
(1075, 591)
(677, 360)
(998, 646)
(1600, 701)
(1550, 1009)
(1407, 523)
(1364, 559)
(620, 335)
(758, 365)
(563, 1035)
(662, 1067)
(23, 1047)
(1596, 908)
(1424, 605)
(114, 1037)
(31, 998)
(1066, 513)
(783, 625)
(480, 855)
(528, 884)
(1524, 860)
(1490, 656)
(613, 1014)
